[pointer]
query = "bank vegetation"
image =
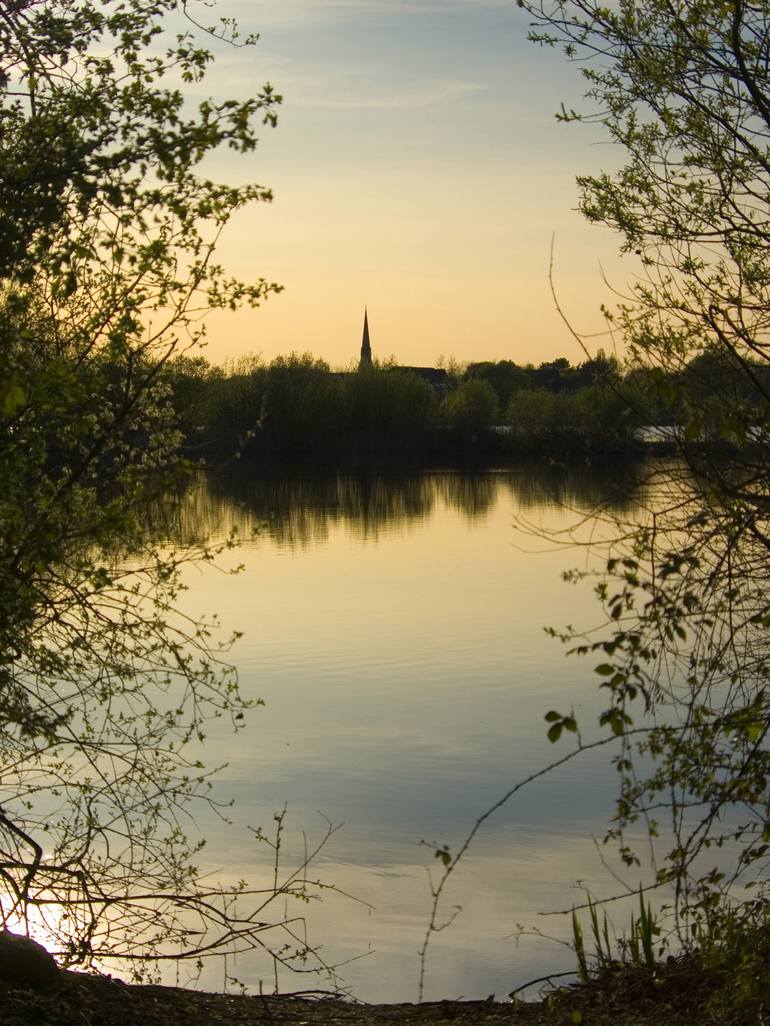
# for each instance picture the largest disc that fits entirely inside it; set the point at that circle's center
(298, 404)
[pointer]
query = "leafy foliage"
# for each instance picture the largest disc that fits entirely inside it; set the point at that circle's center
(683, 91)
(108, 234)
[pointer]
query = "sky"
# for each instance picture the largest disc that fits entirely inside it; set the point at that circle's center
(417, 170)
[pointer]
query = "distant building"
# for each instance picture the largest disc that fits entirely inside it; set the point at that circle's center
(366, 349)
(436, 377)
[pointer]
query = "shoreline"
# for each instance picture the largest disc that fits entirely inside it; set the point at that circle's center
(81, 999)
(678, 992)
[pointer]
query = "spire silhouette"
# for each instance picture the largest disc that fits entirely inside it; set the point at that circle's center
(366, 349)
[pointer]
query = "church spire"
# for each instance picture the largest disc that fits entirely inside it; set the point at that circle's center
(366, 349)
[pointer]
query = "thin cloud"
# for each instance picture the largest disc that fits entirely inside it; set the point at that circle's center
(293, 7)
(416, 5)
(420, 96)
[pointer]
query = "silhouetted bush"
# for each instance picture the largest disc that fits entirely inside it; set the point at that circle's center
(471, 410)
(388, 409)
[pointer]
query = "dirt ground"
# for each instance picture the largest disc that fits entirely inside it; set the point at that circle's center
(78, 1000)
(679, 992)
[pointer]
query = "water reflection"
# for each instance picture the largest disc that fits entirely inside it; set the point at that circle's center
(393, 624)
(298, 510)
(589, 486)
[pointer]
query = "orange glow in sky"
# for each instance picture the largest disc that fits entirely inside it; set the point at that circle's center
(418, 169)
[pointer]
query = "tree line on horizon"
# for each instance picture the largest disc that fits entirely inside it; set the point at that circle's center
(297, 403)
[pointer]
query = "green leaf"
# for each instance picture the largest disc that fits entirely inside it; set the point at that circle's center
(692, 429)
(13, 400)
(604, 669)
(555, 732)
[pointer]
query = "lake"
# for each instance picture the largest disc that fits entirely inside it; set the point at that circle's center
(393, 625)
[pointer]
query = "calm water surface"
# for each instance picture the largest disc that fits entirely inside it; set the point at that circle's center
(393, 626)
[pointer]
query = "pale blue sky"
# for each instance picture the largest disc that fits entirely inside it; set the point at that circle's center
(417, 168)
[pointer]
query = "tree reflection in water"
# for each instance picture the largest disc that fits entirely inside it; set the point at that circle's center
(298, 507)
